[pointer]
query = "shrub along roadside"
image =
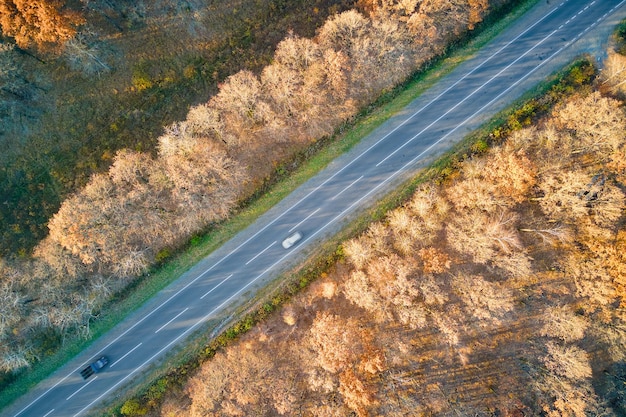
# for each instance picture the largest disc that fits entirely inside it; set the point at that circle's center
(535, 104)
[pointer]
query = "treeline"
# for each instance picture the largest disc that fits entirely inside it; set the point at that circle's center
(497, 290)
(146, 206)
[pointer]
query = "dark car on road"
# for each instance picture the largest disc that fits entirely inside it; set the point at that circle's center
(94, 367)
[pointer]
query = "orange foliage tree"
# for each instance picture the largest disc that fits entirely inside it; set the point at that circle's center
(38, 22)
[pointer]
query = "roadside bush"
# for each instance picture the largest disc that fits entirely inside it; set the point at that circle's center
(132, 408)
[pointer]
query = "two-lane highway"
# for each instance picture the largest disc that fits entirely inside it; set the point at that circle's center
(551, 34)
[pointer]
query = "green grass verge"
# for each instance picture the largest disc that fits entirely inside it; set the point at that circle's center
(349, 135)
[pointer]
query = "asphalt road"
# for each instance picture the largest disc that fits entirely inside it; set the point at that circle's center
(550, 35)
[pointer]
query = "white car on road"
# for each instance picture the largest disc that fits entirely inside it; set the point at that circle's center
(292, 240)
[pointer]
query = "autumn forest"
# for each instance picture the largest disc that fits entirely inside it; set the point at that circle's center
(506, 300)
(495, 289)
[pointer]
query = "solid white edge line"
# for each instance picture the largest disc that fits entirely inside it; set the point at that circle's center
(303, 220)
(82, 388)
(174, 318)
(125, 355)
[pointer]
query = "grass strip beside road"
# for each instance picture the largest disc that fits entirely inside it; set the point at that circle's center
(348, 136)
